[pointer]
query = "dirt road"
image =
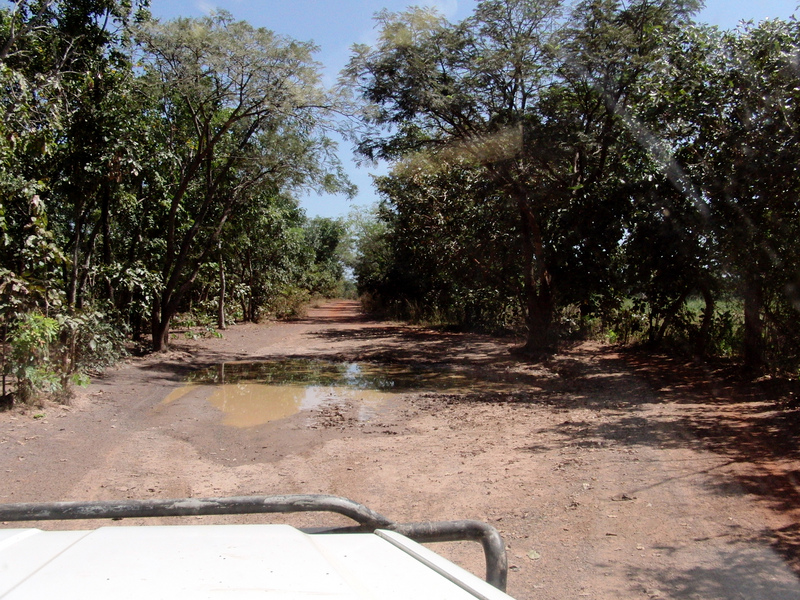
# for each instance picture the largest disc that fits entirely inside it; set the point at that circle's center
(609, 475)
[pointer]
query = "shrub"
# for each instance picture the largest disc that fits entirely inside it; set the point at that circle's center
(48, 355)
(31, 337)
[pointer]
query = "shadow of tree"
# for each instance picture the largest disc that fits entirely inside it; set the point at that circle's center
(753, 424)
(428, 346)
(736, 573)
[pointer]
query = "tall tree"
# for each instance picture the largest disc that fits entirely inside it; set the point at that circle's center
(265, 253)
(536, 100)
(455, 248)
(58, 61)
(326, 239)
(241, 108)
(726, 104)
(750, 178)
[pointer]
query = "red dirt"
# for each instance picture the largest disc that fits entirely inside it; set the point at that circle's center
(609, 474)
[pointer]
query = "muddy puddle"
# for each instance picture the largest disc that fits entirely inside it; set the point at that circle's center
(253, 393)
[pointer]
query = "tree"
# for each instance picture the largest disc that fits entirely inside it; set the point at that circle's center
(265, 253)
(727, 102)
(371, 256)
(749, 175)
(65, 67)
(58, 62)
(326, 239)
(241, 108)
(535, 100)
(668, 252)
(454, 250)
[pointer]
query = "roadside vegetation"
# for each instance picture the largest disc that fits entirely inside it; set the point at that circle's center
(149, 174)
(599, 168)
(559, 170)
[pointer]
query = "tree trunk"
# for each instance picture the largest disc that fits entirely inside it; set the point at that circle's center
(106, 220)
(672, 311)
(3, 356)
(159, 326)
(539, 320)
(539, 302)
(703, 338)
(161, 334)
(221, 312)
(753, 324)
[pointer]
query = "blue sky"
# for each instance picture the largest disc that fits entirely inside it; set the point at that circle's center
(334, 25)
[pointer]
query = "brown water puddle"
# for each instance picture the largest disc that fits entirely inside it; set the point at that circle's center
(253, 393)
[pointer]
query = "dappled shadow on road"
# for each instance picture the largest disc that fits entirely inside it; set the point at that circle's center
(609, 398)
(641, 399)
(678, 380)
(787, 544)
(753, 425)
(404, 344)
(724, 576)
(588, 376)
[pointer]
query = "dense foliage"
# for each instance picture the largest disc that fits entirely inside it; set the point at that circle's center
(558, 167)
(592, 165)
(149, 170)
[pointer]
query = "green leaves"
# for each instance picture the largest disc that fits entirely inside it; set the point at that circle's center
(535, 96)
(30, 338)
(246, 118)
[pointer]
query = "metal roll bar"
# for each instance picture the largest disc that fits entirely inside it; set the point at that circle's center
(367, 519)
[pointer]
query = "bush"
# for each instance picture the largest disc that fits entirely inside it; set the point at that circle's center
(48, 355)
(291, 301)
(31, 338)
(198, 323)
(90, 342)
